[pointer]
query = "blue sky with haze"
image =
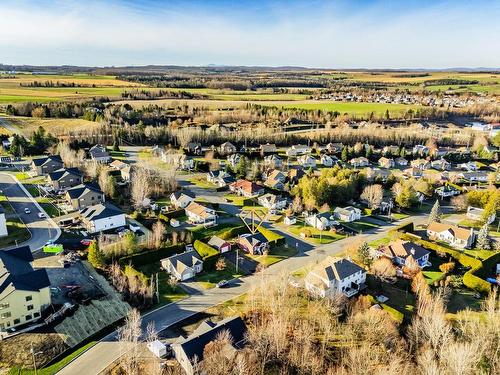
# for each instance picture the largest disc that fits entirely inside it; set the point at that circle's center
(336, 34)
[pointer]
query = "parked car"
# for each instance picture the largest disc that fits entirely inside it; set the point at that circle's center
(222, 284)
(42, 215)
(27, 211)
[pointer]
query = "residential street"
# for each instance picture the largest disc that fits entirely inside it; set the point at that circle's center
(42, 230)
(103, 354)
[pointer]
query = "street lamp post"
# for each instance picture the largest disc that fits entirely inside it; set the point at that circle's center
(34, 354)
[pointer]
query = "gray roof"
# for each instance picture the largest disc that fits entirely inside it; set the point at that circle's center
(16, 271)
(341, 268)
(41, 161)
(79, 191)
(217, 242)
(100, 211)
(194, 345)
(63, 172)
(99, 151)
(187, 259)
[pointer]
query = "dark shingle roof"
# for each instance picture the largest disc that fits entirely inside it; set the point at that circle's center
(100, 211)
(60, 173)
(82, 189)
(194, 345)
(16, 271)
(41, 161)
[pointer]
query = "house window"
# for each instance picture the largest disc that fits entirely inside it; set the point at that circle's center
(28, 317)
(4, 305)
(36, 315)
(5, 315)
(17, 321)
(29, 307)
(29, 298)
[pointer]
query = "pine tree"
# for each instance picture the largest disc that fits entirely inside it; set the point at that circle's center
(364, 255)
(483, 238)
(344, 156)
(369, 152)
(435, 214)
(95, 255)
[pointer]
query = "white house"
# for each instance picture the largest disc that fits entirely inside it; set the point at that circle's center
(3, 223)
(359, 162)
(179, 161)
(470, 166)
(473, 176)
(220, 178)
(401, 162)
(272, 201)
(476, 214)
(327, 160)
(420, 150)
(296, 150)
(451, 234)
(334, 276)
(421, 164)
(441, 165)
(321, 221)
(447, 191)
(181, 199)
(183, 266)
(386, 162)
(199, 214)
(101, 217)
(348, 214)
(273, 161)
(307, 161)
(234, 159)
(290, 220)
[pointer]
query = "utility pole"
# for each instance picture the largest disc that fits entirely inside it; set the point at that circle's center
(157, 289)
(237, 260)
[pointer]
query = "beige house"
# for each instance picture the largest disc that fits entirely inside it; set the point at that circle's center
(49, 164)
(451, 234)
(24, 292)
(84, 195)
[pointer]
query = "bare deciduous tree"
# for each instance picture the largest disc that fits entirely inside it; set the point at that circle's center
(373, 194)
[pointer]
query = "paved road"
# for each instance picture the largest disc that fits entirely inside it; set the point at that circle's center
(95, 361)
(7, 125)
(42, 230)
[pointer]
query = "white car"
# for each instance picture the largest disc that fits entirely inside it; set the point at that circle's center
(42, 215)
(27, 211)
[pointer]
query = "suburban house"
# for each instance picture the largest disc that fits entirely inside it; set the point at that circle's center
(218, 243)
(199, 214)
(306, 161)
(290, 220)
(188, 351)
(124, 169)
(102, 217)
(359, 162)
(334, 148)
(65, 178)
(400, 251)
(275, 174)
(234, 159)
(268, 149)
(470, 166)
(220, 178)
(99, 154)
(183, 266)
(24, 292)
(227, 148)
(413, 172)
(348, 214)
(3, 223)
(246, 188)
(294, 175)
(326, 160)
(447, 191)
(273, 161)
(476, 214)
(275, 180)
(334, 276)
(253, 243)
(272, 201)
(451, 234)
(401, 162)
(84, 195)
(322, 221)
(181, 199)
(441, 165)
(373, 174)
(390, 150)
(49, 164)
(297, 150)
(420, 150)
(421, 164)
(179, 161)
(473, 176)
(386, 162)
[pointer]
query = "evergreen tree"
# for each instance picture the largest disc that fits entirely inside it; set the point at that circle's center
(116, 146)
(491, 207)
(369, 152)
(483, 238)
(435, 214)
(95, 255)
(344, 156)
(364, 255)
(241, 168)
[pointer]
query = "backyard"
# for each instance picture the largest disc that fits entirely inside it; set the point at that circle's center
(276, 255)
(313, 235)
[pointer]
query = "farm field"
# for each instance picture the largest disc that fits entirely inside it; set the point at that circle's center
(55, 126)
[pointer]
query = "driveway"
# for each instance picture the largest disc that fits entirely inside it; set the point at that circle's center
(42, 230)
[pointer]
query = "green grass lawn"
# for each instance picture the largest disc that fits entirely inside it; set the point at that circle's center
(477, 225)
(399, 216)
(22, 176)
(209, 278)
(317, 236)
(5, 204)
(238, 200)
(461, 299)
(118, 155)
(399, 294)
(201, 182)
(201, 232)
(432, 276)
(54, 368)
(380, 242)
(276, 255)
(16, 232)
(360, 226)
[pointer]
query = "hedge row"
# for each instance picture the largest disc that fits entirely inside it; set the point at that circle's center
(408, 227)
(272, 237)
(470, 279)
(204, 250)
(232, 232)
(151, 256)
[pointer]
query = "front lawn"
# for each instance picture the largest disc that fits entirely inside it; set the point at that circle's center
(381, 241)
(399, 216)
(167, 292)
(432, 276)
(201, 182)
(463, 298)
(276, 255)
(238, 200)
(201, 232)
(360, 226)
(209, 278)
(314, 235)
(17, 233)
(400, 296)
(480, 254)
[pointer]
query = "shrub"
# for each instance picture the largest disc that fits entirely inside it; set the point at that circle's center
(151, 256)
(205, 251)
(131, 272)
(272, 237)
(232, 232)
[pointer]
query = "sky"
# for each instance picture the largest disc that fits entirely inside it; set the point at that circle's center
(319, 34)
